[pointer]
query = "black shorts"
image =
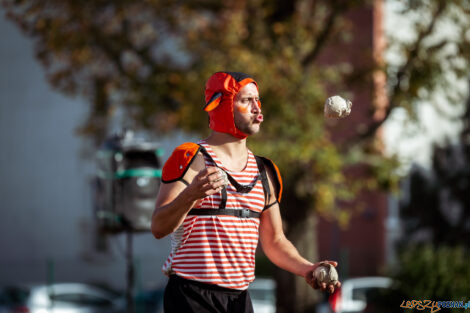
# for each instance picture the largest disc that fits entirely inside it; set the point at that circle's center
(187, 296)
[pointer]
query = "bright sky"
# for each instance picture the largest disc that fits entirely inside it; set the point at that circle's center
(412, 142)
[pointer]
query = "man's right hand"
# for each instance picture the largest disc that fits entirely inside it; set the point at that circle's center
(175, 200)
(207, 182)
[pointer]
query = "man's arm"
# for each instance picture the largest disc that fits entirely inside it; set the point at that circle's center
(175, 200)
(279, 249)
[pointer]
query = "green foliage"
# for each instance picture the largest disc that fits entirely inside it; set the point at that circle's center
(437, 270)
(152, 58)
(434, 273)
(428, 273)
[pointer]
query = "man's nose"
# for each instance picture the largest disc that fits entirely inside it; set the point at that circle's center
(255, 107)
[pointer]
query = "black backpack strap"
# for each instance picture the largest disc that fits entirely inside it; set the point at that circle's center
(270, 205)
(244, 213)
(239, 187)
(223, 200)
(264, 180)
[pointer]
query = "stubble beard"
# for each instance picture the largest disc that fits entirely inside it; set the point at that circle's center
(248, 128)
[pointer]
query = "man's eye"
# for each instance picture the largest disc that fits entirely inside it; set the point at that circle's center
(249, 100)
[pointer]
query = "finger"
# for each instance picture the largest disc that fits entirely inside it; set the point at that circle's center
(209, 186)
(338, 285)
(211, 170)
(212, 187)
(214, 180)
(334, 263)
(207, 171)
(214, 176)
(210, 181)
(309, 280)
(331, 288)
(217, 185)
(213, 191)
(312, 284)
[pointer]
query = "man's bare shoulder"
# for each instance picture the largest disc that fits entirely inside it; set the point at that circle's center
(195, 167)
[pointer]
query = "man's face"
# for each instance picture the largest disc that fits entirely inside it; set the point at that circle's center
(247, 111)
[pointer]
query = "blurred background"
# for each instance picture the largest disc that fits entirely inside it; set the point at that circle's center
(94, 96)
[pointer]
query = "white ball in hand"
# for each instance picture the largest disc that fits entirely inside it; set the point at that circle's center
(337, 107)
(224, 176)
(326, 273)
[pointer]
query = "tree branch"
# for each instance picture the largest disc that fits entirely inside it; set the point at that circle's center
(324, 34)
(401, 74)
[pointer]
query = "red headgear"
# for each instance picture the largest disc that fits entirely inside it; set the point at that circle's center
(221, 89)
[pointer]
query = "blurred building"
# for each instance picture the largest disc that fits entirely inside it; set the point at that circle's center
(363, 248)
(47, 229)
(435, 202)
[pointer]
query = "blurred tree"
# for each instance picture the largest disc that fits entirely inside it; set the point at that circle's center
(438, 207)
(151, 58)
(426, 273)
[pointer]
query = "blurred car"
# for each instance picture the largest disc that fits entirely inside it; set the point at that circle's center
(149, 300)
(60, 298)
(352, 296)
(263, 295)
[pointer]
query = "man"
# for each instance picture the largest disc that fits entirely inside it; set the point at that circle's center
(214, 223)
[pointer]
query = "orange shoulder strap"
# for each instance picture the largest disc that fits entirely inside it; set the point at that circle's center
(179, 162)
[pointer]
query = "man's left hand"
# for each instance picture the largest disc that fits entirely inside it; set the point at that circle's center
(311, 280)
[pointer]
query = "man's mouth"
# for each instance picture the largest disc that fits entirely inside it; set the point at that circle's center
(258, 118)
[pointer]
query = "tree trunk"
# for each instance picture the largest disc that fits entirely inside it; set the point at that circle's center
(293, 293)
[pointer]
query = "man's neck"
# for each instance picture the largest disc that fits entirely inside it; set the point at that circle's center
(227, 144)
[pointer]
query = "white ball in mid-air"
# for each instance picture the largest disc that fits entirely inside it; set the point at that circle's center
(337, 107)
(326, 273)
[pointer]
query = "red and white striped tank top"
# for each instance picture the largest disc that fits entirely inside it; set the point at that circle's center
(217, 249)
